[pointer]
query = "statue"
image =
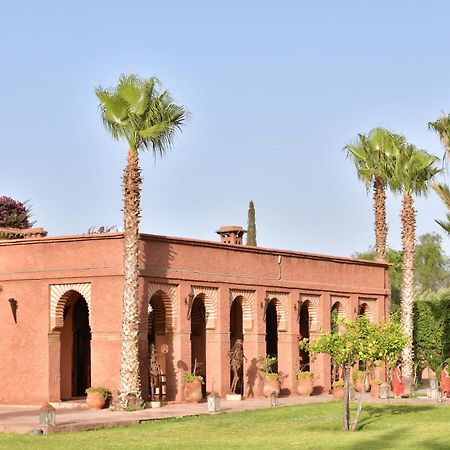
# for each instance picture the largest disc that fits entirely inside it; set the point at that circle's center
(236, 362)
(154, 373)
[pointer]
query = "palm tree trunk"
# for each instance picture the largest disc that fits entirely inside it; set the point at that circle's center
(408, 243)
(381, 228)
(130, 394)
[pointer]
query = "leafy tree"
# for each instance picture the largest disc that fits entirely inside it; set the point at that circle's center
(413, 172)
(432, 328)
(444, 192)
(251, 225)
(14, 214)
(358, 341)
(442, 127)
(372, 156)
(147, 118)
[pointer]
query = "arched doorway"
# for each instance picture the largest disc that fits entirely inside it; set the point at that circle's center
(335, 314)
(304, 333)
(362, 309)
(272, 331)
(236, 332)
(198, 338)
(75, 348)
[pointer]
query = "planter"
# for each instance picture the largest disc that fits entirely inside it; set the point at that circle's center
(95, 400)
(359, 385)
(338, 392)
(305, 386)
(375, 390)
(271, 385)
(193, 391)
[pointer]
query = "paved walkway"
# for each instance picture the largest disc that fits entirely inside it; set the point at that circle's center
(75, 416)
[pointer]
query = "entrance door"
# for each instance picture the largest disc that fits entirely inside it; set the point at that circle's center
(81, 349)
(272, 332)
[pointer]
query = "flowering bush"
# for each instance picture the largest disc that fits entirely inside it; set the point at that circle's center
(14, 214)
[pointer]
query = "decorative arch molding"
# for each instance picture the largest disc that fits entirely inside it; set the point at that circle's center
(209, 295)
(168, 295)
(282, 302)
(344, 301)
(371, 307)
(313, 309)
(59, 294)
(248, 300)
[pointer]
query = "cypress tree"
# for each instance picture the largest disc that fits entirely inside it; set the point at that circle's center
(251, 225)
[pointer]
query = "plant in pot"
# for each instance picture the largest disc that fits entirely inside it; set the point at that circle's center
(375, 388)
(266, 365)
(338, 389)
(358, 377)
(304, 383)
(97, 397)
(193, 386)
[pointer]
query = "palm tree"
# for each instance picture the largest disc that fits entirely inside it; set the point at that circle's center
(137, 111)
(372, 156)
(444, 192)
(442, 128)
(414, 169)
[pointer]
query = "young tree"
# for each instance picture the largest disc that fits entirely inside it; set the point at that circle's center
(358, 341)
(251, 225)
(414, 170)
(146, 117)
(372, 156)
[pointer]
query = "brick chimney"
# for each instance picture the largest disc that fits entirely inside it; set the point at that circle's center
(231, 234)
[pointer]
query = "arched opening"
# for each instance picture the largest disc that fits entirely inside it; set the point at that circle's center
(198, 339)
(336, 312)
(75, 348)
(272, 331)
(236, 332)
(362, 309)
(304, 333)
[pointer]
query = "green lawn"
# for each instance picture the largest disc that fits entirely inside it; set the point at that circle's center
(313, 426)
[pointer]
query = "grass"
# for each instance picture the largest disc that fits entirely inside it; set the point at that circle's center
(312, 426)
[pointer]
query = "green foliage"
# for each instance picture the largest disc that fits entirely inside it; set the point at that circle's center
(358, 375)
(432, 328)
(337, 384)
(251, 225)
(304, 374)
(189, 378)
(266, 364)
(106, 393)
(14, 214)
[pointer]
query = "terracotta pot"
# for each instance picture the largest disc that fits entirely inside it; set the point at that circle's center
(305, 386)
(375, 390)
(271, 385)
(95, 400)
(338, 392)
(193, 391)
(359, 385)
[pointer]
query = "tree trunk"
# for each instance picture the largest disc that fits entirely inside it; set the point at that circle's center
(381, 228)
(130, 394)
(360, 402)
(346, 399)
(408, 244)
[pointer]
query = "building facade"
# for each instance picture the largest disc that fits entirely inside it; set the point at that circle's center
(61, 311)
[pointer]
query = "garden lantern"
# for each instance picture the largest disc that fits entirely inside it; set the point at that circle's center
(273, 399)
(214, 402)
(47, 415)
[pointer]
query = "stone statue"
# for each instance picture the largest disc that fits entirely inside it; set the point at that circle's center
(236, 362)
(154, 372)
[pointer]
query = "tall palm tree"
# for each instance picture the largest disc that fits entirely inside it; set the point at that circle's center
(372, 156)
(444, 192)
(442, 127)
(413, 172)
(147, 118)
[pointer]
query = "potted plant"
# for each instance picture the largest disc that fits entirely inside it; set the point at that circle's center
(338, 389)
(97, 397)
(375, 388)
(304, 383)
(271, 378)
(358, 376)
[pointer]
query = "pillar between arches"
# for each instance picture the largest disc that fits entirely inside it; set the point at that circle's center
(288, 362)
(54, 366)
(254, 346)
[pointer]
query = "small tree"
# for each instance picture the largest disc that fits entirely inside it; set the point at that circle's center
(14, 214)
(358, 341)
(251, 225)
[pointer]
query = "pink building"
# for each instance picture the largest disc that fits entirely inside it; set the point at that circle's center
(61, 310)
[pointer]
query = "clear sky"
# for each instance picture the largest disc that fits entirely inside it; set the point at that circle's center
(276, 89)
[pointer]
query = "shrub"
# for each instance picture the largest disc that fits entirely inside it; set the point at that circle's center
(14, 214)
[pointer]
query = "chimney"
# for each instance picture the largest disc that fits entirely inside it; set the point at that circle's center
(231, 234)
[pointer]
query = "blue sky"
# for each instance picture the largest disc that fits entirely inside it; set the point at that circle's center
(275, 91)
